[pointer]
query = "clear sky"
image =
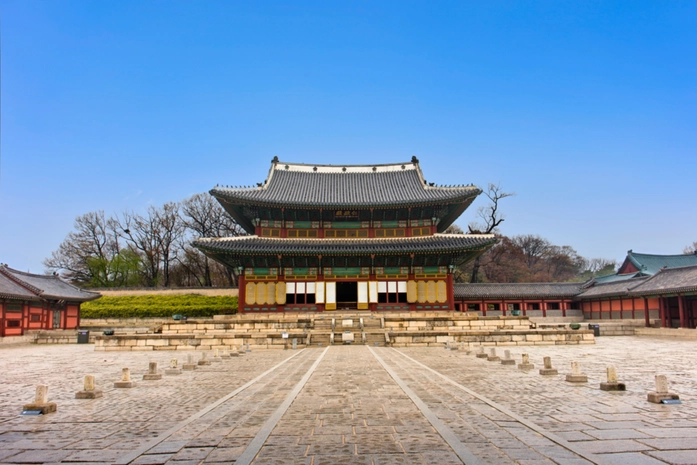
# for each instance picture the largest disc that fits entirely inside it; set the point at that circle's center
(587, 109)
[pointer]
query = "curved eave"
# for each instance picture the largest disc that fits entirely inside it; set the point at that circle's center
(462, 197)
(254, 245)
(32, 298)
(657, 292)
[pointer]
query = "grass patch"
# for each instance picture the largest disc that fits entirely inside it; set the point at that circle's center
(158, 306)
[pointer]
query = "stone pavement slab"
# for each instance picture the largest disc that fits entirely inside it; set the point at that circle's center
(357, 405)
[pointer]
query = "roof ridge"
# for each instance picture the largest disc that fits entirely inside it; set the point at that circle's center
(9, 273)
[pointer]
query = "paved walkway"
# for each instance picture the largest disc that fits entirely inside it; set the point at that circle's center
(353, 405)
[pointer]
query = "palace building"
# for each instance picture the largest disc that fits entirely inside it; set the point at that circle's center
(328, 237)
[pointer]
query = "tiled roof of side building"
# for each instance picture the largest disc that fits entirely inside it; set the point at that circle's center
(49, 286)
(441, 243)
(650, 264)
(668, 281)
(297, 184)
(10, 289)
(515, 290)
(611, 288)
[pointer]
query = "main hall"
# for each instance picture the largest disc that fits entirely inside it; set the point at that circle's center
(363, 237)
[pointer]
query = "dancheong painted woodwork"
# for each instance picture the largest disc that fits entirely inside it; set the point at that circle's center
(327, 237)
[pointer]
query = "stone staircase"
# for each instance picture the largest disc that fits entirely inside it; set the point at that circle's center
(397, 329)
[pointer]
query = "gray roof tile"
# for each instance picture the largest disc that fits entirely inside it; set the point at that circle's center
(611, 289)
(515, 290)
(10, 289)
(48, 286)
(296, 184)
(668, 281)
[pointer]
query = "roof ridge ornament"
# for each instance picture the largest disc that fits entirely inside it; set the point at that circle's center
(414, 159)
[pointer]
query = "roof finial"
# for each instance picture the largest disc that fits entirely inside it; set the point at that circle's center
(414, 159)
(275, 159)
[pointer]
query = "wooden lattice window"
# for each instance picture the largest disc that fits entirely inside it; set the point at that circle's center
(421, 231)
(346, 233)
(270, 232)
(392, 232)
(302, 233)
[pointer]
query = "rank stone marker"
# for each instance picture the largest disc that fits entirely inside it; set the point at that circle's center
(661, 393)
(612, 384)
(576, 376)
(125, 379)
(225, 355)
(492, 356)
(480, 352)
(89, 389)
(173, 368)
(548, 370)
(204, 359)
(216, 357)
(526, 365)
(189, 365)
(41, 403)
(507, 360)
(152, 373)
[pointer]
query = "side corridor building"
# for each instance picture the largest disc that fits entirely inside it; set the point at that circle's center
(31, 301)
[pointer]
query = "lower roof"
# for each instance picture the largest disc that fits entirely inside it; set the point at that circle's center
(438, 243)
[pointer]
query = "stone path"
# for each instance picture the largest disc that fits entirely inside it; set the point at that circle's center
(353, 405)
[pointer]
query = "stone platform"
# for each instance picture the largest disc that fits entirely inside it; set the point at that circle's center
(395, 329)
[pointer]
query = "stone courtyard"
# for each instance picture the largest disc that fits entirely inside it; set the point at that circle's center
(353, 405)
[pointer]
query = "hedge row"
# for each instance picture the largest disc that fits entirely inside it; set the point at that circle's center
(153, 306)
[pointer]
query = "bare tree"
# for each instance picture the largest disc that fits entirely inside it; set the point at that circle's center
(93, 239)
(204, 217)
(690, 249)
(491, 217)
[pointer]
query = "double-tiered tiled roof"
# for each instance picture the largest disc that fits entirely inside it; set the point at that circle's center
(298, 184)
(19, 285)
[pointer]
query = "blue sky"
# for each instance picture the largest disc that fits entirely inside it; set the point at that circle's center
(587, 110)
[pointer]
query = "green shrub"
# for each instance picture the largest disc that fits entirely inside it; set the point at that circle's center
(158, 306)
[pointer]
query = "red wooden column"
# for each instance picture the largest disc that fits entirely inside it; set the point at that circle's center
(563, 307)
(240, 292)
(543, 304)
(503, 307)
(451, 292)
(681, 311)
(662, 309)
(524, 307)
(646, 312)
(483, 307)
(633, 308)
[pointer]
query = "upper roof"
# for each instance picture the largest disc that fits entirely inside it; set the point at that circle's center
(669, 281)
(305, 185)
(643, 264)
(515, 290)
(48, 287)
(255, 245)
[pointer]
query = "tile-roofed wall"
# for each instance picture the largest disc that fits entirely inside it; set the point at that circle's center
(52, 287)
(669, 280)
(350, 185)
(515, 290)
